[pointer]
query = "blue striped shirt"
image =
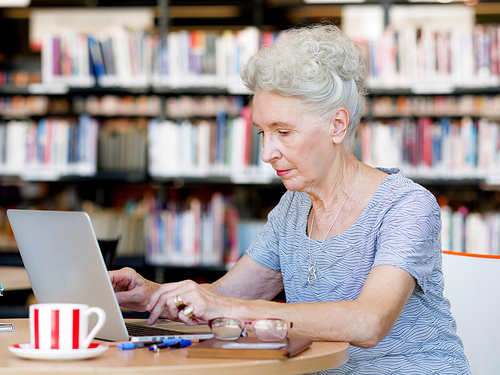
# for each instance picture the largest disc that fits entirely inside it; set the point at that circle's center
(401, 227)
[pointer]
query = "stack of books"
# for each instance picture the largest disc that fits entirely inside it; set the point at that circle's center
(49, 149)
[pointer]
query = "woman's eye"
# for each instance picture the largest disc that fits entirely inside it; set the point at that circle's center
(282, 132)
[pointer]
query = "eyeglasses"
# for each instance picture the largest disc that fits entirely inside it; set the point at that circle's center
(264, 329)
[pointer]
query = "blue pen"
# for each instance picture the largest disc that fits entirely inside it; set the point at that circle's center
(183, 344)
(171, 345)
(165, 343)
(133, 345)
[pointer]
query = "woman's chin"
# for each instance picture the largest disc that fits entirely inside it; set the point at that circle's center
(291, 186)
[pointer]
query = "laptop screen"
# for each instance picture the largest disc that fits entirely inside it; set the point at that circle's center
(64, 263)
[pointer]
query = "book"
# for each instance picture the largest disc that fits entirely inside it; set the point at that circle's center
(96, 56)
(221, 349)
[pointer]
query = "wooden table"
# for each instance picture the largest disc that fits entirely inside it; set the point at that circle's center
(320, 356)
(14, 278)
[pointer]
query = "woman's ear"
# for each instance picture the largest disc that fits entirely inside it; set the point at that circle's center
(339, 124)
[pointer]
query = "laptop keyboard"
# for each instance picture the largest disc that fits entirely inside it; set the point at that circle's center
(140, 330)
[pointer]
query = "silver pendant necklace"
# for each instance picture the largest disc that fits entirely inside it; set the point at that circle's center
(311, 269)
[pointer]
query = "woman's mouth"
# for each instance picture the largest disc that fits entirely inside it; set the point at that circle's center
(282, 172)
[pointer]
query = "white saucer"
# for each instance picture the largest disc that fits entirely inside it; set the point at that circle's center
(26, 350)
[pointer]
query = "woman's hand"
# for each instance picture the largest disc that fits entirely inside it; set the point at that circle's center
(131, 289)
(203, 299)
(246, 280)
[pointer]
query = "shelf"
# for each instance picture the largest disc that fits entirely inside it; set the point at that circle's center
(220, 180)
(98, 90)
(179, 182)
(214, 90)
(453, 91)
(136, 177)
(143, 177)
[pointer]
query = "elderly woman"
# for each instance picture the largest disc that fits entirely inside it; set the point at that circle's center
(356, 249)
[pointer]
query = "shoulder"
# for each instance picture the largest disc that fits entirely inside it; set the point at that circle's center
(289, 216)
(291, 205)
(401, 196)
(292, 200)
(396, 187)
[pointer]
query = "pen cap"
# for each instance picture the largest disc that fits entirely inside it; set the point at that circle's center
(184, 343)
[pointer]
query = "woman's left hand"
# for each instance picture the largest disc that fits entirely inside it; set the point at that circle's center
(206, 304)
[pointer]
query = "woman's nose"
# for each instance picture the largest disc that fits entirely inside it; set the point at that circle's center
(270, 150)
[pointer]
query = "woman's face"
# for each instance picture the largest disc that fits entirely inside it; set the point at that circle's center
(295, 142)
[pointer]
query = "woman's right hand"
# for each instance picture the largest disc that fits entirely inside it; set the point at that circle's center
(131, 289)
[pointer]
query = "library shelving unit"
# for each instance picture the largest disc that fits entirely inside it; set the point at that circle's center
(165, 136)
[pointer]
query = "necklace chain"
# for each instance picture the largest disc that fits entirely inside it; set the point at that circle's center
(311, 275)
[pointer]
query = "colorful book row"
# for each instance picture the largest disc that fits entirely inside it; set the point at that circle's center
(196, 232)
(440, 58)
(445, 148)
(138, 59)
(182, 106)
(229, 146)
(437, 106)
(424, 59)
(199, 234)
(19, 106)
(49, 149)
(470, 232)
(226, 146)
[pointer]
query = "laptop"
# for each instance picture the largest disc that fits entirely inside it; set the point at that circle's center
(65, 265)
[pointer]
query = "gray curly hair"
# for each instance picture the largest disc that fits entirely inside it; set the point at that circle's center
(317, 64)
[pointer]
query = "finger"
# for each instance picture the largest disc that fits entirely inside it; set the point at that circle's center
(188, 321)
(134, 300)
(122, 298)
(162, 300)
(125, 279)
(164, 289)
(165, 304)
(161, 307)
(194, 307)
(125, 272)
(117, 280)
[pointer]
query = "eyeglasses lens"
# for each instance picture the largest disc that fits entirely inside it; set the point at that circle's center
(226, 329)
(270, 329)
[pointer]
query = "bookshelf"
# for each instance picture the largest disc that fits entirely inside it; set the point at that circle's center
(154, 98)
(449, 144)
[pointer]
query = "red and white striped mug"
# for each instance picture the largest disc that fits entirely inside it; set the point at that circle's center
(63, 325)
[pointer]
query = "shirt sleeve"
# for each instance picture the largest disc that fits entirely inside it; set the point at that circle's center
(265, 248)
(410, 236)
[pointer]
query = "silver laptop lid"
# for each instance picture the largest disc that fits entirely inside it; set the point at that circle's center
(64, 263)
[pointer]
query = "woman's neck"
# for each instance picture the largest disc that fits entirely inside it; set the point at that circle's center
(331, 194)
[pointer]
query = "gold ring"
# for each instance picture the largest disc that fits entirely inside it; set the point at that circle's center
(179, 302)
(188, 311)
